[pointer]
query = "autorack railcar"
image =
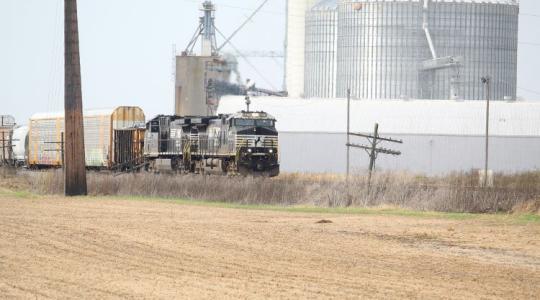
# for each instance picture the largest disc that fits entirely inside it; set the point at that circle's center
(45, 137)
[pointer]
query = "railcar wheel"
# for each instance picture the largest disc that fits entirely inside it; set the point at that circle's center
(224, 166)
(244, 171)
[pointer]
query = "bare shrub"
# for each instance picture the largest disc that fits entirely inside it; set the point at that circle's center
(529, 207)
(7, 172)
(453, 193)
(9, 179)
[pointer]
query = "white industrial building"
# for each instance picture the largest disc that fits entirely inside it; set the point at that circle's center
(438, 136)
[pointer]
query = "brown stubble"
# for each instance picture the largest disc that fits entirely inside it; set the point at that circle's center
(59, 247)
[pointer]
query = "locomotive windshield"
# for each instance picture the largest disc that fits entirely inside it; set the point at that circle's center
(253, 122)
(244, 122)
(265, 123)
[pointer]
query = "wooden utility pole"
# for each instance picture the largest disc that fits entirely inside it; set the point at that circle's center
(348, 130)
(74, 160)
(487, 82)
(373, 150)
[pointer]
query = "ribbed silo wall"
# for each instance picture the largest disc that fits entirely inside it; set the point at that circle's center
(485, 36)
(320, 52)
(295, 46)
(380, 44)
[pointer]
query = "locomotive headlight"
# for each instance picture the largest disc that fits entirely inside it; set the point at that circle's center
(249, 150)
(271, 151)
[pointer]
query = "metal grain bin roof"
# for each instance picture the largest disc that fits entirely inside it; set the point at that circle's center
(418, 117)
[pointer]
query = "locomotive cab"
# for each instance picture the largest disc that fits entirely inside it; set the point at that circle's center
(256, 141)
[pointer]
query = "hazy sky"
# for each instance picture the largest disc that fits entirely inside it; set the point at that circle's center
(126, 50)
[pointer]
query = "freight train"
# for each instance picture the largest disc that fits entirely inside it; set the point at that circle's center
(119, 140)
(245, 143)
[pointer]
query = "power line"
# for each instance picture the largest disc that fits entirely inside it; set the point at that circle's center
(529, 43)
(529, 90)
(518, 87)
(273, 12)
(227, 40)
(530, 15)
(55, 75)
(250, 9)
(247, 61)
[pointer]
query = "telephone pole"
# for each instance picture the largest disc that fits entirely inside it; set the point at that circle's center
(348, 130)
(74, 159)
(373, 150)
(487, 82)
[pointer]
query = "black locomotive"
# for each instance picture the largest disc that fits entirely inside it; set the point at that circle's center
(244, 143)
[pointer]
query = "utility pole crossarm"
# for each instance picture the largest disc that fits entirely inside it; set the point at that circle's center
(387, 151)
(372, 149)
(358, 146)
(377, 150)
(378, 137)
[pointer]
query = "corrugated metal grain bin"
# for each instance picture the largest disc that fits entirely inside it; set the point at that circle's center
(396, 49)
(320, 50)
(46, 131)
(7, 123)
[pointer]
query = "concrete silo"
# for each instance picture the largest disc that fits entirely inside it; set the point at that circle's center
(295, 46)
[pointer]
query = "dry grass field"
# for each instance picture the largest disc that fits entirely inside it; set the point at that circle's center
(99, 247)
(451, 193)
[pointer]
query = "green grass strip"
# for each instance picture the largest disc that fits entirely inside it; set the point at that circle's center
(375, 211)
(506, 218)
(16, 194)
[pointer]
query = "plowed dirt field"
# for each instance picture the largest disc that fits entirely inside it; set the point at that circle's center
(114, 248)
